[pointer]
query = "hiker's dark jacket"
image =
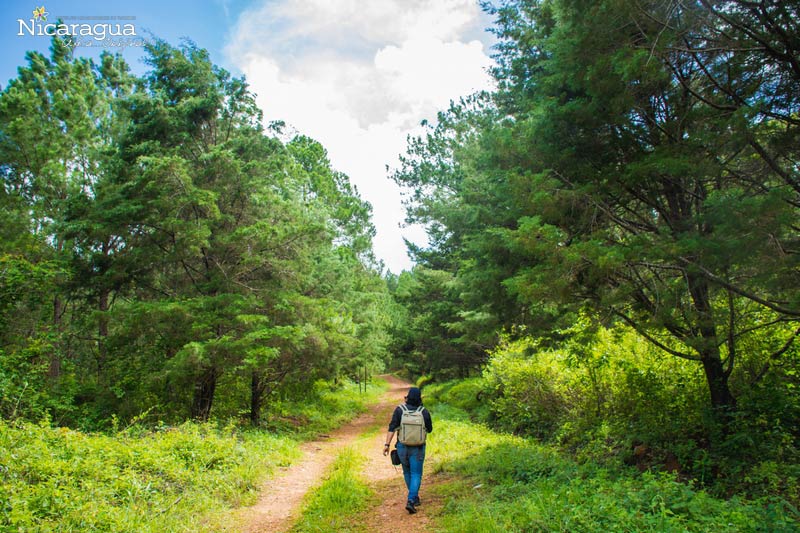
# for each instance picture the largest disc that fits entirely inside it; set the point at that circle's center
(398, 414)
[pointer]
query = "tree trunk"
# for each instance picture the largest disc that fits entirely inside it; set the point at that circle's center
(721, 397)
(722, 400)
(204, 394)
(54, 369)
(257, 388)
(102, 329)
(102, 307)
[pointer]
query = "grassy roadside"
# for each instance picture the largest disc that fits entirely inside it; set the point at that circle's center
(332, 407)
(336, 504)
(340, 501)
(503, 483)
(183, 478)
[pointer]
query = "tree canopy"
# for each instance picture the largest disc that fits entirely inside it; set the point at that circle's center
(638, 161)
(162, 252)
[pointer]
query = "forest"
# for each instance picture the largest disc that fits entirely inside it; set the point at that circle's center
(162, 252)
(612, 266)
(616, 226)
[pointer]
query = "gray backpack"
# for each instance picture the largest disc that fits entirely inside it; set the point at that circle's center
(412, 430)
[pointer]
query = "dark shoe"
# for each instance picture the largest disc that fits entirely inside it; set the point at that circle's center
(417, 503)
(410, 507)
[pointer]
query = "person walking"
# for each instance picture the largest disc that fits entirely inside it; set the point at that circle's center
(412, 423)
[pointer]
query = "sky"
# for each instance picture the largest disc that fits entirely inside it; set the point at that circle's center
(358, 76)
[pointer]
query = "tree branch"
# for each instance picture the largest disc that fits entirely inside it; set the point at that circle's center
(775, 355)
(731, 337)
(652, 339)
(741, 292)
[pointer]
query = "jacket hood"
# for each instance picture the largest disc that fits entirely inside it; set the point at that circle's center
(414, 397)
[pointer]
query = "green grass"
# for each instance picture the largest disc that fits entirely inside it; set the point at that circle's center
(324, 407)
(56, 479)
(336, 504)
(506, 484)
(184, 478)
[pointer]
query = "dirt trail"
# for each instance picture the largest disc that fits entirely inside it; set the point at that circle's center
(279, 505)
(387, 482)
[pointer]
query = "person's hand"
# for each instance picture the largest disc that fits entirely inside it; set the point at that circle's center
(385, 450)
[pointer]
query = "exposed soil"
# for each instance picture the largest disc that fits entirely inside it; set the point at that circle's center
(281, 496)
(387, 481)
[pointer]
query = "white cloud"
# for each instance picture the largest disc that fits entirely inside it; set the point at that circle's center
(359, 77)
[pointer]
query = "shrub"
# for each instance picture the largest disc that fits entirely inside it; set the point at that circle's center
(607, 394)
(509, 484)
(164, 478)
(170, 479)
(528, 392)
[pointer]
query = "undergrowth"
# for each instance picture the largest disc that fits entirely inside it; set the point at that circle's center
(618, 400)
(57, 479)
(506, 483)
(156, 479)
(322, 408)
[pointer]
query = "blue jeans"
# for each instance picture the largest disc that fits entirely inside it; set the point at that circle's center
(412, 458)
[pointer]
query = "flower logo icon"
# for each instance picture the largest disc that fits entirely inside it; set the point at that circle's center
(40, 14)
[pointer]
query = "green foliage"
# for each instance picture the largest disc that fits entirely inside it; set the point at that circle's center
(337, 503)
(157, 477)
(23, 379)
(434, 336)
(635, 168)
(611, 397)
(513, 484)
(615, 169)
(161, 254)
(321, 408)
(167, 479)
(467, 394)
(422, 381)
(529, 394)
